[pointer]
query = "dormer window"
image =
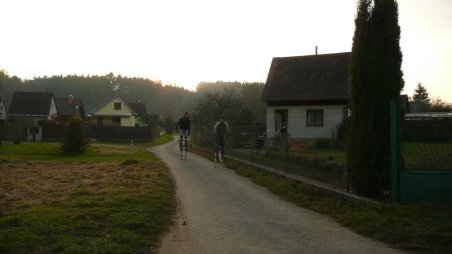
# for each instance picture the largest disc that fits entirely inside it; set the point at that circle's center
(117, 105)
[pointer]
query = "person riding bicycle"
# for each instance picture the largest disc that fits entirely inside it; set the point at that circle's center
(184, 131)
(221, 132)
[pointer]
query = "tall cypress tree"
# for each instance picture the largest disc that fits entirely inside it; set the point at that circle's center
(357, 130)
(386, 83)
(376, 78)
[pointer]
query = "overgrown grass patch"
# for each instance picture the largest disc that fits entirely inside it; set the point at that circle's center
(423, 229)
(80, 207)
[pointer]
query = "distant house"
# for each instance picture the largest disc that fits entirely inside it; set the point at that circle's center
(140, 110)
(116, 112)
(70, 107)
(3, 112)
(307, 95)
(33, 107)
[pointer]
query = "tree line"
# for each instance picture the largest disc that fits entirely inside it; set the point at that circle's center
(96, 90)
(238, 102)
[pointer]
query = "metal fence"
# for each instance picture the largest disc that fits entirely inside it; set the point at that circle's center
(426, 149)
(319, 159)
(426, 143)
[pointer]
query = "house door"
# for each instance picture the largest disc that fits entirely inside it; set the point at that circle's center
(281, 121)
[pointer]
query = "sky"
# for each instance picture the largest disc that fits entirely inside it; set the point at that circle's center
(185, 42)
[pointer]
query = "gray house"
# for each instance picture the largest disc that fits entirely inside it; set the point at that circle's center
(307, 95)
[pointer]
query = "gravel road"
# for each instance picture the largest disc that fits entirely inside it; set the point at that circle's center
(221, 212)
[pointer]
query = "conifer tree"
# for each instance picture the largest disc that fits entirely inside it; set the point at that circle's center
(386, 83)
(377, 84)
(421, 96)
(76, 138)
(357, 129)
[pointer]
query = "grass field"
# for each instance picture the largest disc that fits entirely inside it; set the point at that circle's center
(421, 229)
(103, 202)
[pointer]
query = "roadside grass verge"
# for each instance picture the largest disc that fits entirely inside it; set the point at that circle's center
(421, 229)
(324, 165)
(103, 202)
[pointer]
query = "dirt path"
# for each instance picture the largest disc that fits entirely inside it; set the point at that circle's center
(220, 212)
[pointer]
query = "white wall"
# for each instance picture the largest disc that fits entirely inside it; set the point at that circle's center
(37, 136)
(332, 117)
(2, 111)
(53, 109)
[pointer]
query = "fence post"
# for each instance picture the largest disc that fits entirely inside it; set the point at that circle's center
(394, 149)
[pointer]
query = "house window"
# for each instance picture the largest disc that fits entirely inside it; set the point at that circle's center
(116, 120)
(280, 120)
(314, 117)
(117, 105)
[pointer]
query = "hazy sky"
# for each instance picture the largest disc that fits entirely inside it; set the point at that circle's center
(185, 42)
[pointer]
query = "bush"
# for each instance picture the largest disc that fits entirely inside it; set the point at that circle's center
(76, 138)
(322, 143)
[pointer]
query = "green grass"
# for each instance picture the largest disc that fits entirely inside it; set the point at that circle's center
(338, 155)
(162, 140)
(423, 229)
(96, 153)
(113, 204)
(142, 144)
(319, 164)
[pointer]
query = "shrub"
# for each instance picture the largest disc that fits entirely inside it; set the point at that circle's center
(75, 138)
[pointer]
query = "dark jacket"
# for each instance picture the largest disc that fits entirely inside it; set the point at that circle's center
(183, 123)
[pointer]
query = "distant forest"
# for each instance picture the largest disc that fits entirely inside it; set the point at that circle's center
(97, 90)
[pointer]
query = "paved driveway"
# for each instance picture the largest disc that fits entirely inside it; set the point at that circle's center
(221, 212)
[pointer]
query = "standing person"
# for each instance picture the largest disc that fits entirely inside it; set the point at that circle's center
(184, 132)
(221, 132)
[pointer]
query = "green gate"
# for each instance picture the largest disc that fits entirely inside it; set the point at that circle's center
(424, 143)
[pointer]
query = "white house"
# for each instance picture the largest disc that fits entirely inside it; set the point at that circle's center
(3, 113)
(307, 95)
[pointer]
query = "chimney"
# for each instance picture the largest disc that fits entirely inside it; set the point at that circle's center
(315, 50)
(70, 99)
